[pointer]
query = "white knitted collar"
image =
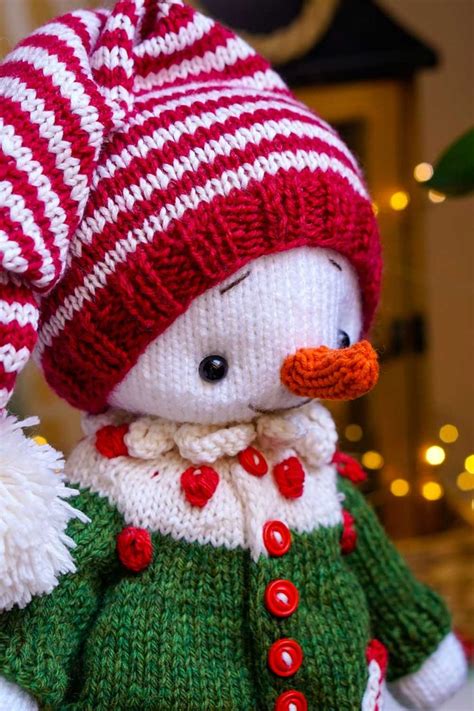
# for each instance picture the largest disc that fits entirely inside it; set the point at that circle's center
(310, 431)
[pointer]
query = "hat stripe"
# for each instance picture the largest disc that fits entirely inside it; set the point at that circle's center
(199, 103)
(43, 90)
(24, 251)
(30, 170)
(53, 61)
(251, 139)
(58, 147)
(148, 143)
(212, 42)
(119, 22)
(72, 33)
(227, 55)
(257, 79)
(152, 226)
(10, 254)
(158, 104)
(250, 135)
(13, 360)
(268, 82)
(147, 195)
(192, 29)
(24, 239)
(23, 314)
(87, 25)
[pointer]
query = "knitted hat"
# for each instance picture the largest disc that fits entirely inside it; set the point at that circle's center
(146, 155)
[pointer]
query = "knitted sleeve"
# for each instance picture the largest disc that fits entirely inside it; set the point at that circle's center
(407, 617)
(39, 644)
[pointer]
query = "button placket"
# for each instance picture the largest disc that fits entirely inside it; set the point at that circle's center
(281, 598)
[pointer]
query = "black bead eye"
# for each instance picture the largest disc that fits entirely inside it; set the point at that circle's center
(213, 368)
(343, 340)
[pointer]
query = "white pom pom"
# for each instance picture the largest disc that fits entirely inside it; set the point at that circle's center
(34, 547)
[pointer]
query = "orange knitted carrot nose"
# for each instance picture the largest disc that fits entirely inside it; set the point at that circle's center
(331, 374)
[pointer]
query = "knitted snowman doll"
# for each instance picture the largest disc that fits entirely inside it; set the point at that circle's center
(193, 255)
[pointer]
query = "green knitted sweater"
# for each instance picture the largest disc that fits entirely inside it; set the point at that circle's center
(191, 631)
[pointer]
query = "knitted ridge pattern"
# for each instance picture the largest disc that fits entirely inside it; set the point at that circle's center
(191, 630)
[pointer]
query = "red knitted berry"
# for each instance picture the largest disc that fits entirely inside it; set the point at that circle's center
(110, 441)
(376, 651)
(289, 476)
(348, 540)
(134, 548)
(199, 485)
(348, 467)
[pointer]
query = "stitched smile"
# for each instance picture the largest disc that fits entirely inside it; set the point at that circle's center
(263, 411)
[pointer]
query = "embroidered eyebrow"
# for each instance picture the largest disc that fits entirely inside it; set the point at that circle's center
(237, 281)
(338, 266)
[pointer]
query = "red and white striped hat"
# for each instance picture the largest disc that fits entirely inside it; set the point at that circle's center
(145, 155)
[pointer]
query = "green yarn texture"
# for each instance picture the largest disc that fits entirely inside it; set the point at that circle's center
(191, 632)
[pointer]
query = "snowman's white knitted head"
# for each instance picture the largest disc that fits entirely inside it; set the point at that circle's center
(220, 361)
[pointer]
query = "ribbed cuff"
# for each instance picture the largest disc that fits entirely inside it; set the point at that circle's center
(440, 676)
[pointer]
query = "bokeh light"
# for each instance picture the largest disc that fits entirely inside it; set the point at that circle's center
(372, 460)
(399, 200)
(423, 172)
(435, 196)
(435, 455)
(448, 433)
(399, 487)
(469, 464)
(432, 491)
(465, 481)
(353, 433)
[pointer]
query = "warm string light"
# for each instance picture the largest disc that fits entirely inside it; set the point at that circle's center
(469, 464)
(353, 433)
(448, 434)
(423, 172)
(436, 197)
(465, 481)
(399, 200)
(372, 460)
(435, 455)
(399, 487)
(432, 491)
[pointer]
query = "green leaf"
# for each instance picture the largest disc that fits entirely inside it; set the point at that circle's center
(454, 171)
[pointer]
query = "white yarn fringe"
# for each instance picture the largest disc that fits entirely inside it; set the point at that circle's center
(34, 547)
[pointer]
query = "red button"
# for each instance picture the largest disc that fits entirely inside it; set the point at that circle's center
(253, 461)
(276, 537)
(281, 598)
(291, 701)
(285, 657)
